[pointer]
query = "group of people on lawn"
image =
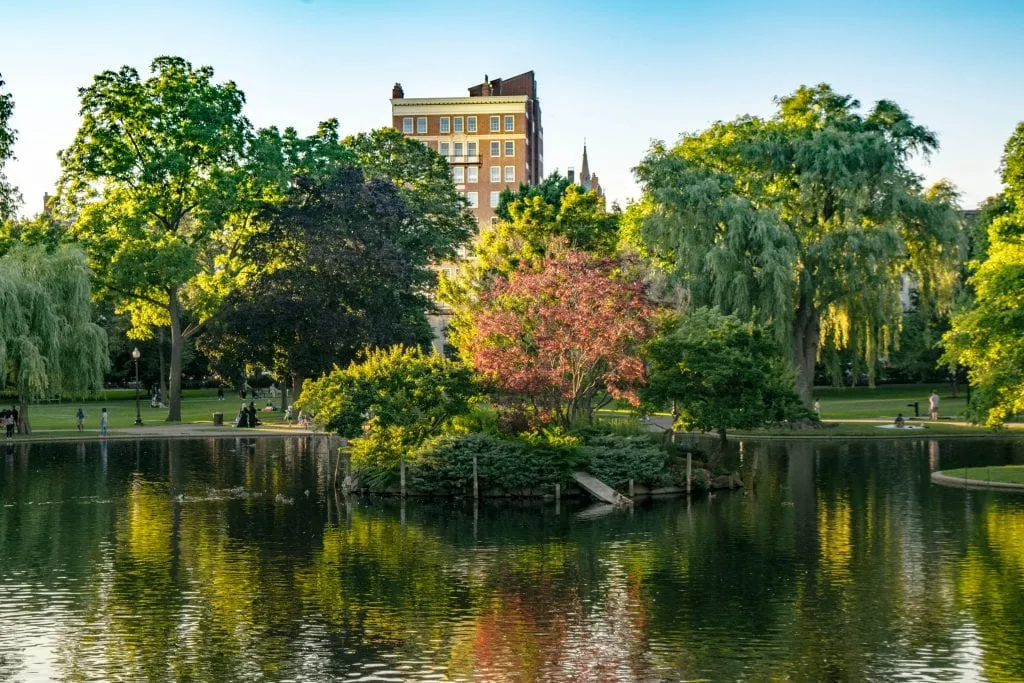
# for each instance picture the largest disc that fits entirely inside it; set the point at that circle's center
(80, 420)
(933, 411)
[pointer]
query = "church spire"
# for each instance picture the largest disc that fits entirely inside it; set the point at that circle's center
(585, 168)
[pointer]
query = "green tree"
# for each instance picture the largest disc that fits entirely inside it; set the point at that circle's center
(988, 336)
(720, 374)
(390, 402)
(550, 190)
(9, 196)
(48, 342)
(806, 221)
(156, 185)
(437, 222)
(334, 277)
(536, 227)
(43, 229)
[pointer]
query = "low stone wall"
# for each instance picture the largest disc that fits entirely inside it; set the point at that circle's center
(950, 479)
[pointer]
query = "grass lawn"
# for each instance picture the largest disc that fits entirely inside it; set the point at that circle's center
(885, 402)
(197, 406)
(866, 429)
(1006, 474)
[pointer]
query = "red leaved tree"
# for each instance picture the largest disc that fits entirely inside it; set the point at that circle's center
(564, 334)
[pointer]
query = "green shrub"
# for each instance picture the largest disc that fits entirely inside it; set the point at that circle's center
(374, 456)
(445, 465)
(616, 459)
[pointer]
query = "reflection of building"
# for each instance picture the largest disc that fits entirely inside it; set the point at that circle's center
(587, 180)
(492, 139)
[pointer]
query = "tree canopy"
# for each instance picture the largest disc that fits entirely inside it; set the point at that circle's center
(152, 182)
(988, 336)
(562, 335)
(720, 373)
(536, 226)
(334, 274)
(805, 221)
(49, 344)
(437, 223)
(9, 197)
(550, 191)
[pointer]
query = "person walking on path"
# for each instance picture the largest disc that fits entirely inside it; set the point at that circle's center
(103, 422)
(933, 405)
(9, 423)
(80, 416)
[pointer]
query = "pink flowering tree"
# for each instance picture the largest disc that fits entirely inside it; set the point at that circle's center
(566, 338)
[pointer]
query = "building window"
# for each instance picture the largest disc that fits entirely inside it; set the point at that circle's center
(421, 124)
(457, 124)
(474, 199)
(495, 124)
(472, 174)
(495, 199)
(495, 148)
(495, 174)
(458, 150)
(470, 124)
(494, 220)
(471, 149)
(510, 124)
(458, 175)
(510, 148)
(445, 125)
(445, 149)
(407, 125)
(510, 174)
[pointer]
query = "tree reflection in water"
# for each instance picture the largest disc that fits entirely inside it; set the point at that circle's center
(234, 560)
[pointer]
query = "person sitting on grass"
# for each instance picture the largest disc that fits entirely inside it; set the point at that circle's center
(900, 423)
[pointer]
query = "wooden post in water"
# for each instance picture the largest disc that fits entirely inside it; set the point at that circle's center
(630, 488)
(401, 478)
(689, 471)
(476, 484)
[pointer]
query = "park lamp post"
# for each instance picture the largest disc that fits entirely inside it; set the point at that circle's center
(138, 415)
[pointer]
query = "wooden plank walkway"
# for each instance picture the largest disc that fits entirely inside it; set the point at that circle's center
(598, 489)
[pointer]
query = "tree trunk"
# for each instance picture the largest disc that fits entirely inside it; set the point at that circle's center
(177, 345)
(806, 336)
(297, 382)
(284, 395)
(24, 426)
(163, 364)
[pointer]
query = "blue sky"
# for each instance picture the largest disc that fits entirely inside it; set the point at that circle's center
(619, 74)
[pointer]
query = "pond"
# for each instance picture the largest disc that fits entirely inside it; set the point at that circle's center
(231, 559)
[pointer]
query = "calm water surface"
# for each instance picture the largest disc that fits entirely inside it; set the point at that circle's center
(223, 560)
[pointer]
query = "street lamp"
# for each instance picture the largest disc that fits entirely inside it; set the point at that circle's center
(138, 415)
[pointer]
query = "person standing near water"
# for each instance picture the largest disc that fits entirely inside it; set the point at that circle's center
(933, 405)
(80, 417)
(103, 422)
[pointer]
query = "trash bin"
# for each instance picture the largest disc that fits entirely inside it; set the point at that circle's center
(218, 419)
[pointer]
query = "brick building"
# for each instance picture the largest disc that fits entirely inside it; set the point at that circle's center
(493, 139)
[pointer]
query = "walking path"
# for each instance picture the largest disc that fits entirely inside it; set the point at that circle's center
(174, 431)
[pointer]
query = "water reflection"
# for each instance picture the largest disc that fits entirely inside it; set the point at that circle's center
(235, 559)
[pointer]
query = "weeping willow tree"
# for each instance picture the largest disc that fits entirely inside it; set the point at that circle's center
(808, 221)
(48, 342)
